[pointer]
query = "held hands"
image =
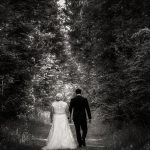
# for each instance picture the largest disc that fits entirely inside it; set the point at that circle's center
(70, 120)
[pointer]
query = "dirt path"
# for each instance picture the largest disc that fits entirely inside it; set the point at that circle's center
(94, 138)
(33, 135)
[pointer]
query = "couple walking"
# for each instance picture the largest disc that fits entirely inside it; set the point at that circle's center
(60, 135)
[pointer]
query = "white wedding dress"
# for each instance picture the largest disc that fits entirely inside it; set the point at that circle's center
(60, 135)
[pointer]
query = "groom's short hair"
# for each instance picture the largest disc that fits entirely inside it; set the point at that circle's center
(78, 91)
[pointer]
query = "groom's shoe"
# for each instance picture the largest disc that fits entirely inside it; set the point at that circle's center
(83, 143)
(79, 146)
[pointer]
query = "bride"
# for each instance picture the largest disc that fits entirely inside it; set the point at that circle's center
(60, 135)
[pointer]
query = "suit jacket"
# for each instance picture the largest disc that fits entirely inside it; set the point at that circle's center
(79, 105)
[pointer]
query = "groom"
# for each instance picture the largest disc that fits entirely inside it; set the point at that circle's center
(79, 105)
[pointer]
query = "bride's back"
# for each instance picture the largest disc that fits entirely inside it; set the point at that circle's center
(59, 107)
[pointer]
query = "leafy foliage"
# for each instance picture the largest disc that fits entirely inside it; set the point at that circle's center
(28, 29)
(110, 37)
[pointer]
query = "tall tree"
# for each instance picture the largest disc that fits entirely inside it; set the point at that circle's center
(28, 29)
(101, 33)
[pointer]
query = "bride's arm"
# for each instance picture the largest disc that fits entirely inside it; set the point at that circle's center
(51, 113)
(67, 111)
(68, 114)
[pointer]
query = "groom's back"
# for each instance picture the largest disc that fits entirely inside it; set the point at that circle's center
(79, 105)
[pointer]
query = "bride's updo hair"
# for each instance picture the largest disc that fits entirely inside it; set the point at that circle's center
(59, 96)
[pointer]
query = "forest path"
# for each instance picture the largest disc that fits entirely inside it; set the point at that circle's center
(32, 135)
(94, 138)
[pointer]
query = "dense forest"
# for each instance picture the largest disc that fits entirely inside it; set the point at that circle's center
(100, 46)
(27, 38)
(113, 39)
(36, 61)
(109, 57)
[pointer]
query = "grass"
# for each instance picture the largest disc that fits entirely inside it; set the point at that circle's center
(128, 138)
(26, 135)
(15, 135)
(23, 135)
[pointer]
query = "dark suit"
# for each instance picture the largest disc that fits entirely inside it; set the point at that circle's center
(79, 105)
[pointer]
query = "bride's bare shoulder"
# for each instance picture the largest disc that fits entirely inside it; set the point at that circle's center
(53, 103)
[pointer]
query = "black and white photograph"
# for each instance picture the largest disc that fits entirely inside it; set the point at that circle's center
(74, 74)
